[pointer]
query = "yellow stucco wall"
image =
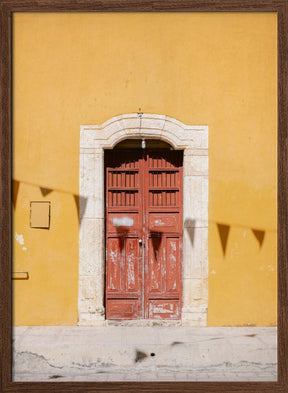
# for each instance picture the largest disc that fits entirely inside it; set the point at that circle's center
(214, 69)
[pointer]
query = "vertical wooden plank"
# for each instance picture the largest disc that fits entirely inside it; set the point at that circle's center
(158, 276)
(163, 294)
(154, 265)
(113, 280)
(132, 265)
(172, 264)
(123, 268)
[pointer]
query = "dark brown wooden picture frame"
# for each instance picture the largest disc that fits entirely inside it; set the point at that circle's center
(8, 7)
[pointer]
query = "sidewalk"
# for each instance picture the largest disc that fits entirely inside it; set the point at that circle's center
(118, 353)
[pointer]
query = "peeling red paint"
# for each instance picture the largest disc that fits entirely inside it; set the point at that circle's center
(144, 258)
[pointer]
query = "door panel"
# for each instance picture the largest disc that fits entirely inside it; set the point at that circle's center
(164, 309)
(163, 213)
(124, 217)
(119, 309)
(155, 265)
(121, 222)
(113, 278)
(131, 267)
(143, 233)
(164, 221)
(172, 266)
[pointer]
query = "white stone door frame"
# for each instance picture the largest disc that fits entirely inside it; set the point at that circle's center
(193, 140)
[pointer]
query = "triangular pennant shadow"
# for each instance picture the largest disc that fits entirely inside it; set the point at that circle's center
(15, 189)
(122, 233)
(189, 225)
(223, 233)
(259, 236)
(156, 238)
(81, 203)
(45, 191)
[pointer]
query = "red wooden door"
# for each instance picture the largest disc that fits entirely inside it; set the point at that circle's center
(143, 234)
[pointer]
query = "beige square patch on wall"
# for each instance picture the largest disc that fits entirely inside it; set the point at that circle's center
(40, 215)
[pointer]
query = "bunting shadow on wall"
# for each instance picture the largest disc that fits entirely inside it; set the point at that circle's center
(45, 191)
(260, 235)
(189, 225)
(224, 234)
(123, 226)
(156, 238)
(122, 233)
(81, 203)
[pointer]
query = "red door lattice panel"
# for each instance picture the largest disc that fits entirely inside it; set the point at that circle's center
(143, 233)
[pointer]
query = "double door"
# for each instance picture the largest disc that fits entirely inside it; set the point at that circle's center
(143, 234)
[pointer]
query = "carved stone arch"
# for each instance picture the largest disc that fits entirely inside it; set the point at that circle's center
(193, 140)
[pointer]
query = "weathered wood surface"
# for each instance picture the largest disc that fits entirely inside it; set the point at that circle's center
(144, 192)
